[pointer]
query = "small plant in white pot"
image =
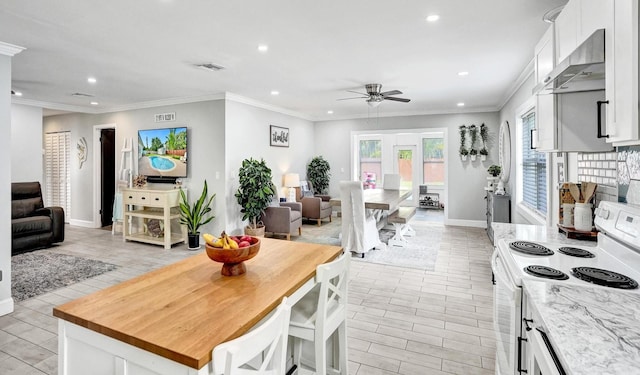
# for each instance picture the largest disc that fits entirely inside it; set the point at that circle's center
(483, 153)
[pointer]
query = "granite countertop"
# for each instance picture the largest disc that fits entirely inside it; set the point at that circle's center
(527, 232)
(593, 330)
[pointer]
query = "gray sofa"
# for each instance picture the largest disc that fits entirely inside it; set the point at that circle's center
(33, 226)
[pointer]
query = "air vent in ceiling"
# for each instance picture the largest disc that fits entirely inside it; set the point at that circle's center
(82, 95)
(209, 66)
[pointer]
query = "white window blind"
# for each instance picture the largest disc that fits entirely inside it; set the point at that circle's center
(534, 169)
(57, 170)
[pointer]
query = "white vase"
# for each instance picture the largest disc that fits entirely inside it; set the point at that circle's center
(583, 217)
(483, 157)
(473, 157)
(463, 157)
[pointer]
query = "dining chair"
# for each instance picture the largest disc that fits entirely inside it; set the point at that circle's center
(262, 351)
(319, 315)
(391, 181)
(359, 230)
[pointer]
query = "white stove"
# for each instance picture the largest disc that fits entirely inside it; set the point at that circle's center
(614, 262)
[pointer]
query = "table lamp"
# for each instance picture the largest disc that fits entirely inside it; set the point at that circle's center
(292, 181)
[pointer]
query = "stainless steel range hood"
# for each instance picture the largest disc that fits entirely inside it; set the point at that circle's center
(583, 70)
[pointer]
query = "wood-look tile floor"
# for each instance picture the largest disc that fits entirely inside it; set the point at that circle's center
(400, 320)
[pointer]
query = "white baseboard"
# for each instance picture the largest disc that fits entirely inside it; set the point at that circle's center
(6, 306)
(81, 223)
(466, 223)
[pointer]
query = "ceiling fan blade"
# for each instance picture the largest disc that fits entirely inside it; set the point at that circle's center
(392, 92)
(359, 93)
(358, 97)
(397, 99)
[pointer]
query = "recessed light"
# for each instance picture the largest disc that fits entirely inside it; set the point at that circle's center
(274, 92)
(330, 112)
(17, 93)
(94, 103)
(92, 80)
(263, 48)
(433, 18)
(460, 104)
(461, 74)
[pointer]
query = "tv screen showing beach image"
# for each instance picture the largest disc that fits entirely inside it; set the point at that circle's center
(162, 152)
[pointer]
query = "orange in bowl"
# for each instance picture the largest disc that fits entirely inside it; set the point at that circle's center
(233, 259)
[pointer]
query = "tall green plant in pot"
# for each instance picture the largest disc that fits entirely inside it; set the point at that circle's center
(254, 193)
(195, 215)
(319, 173)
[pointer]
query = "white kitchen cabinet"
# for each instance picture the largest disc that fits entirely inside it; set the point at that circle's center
(622, 75)
(566, 30)
(544, 62)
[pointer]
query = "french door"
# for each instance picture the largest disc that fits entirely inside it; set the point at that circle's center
(405, 163)
(57, 171)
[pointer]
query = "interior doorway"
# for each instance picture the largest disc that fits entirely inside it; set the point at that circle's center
(405, 164)
(107, 174)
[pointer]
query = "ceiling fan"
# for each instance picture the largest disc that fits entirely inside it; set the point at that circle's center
(375, 97)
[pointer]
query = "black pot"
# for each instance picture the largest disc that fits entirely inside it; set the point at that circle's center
(194, 240)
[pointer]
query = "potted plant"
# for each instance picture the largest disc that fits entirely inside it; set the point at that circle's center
(494, 170)
(194, 216)
(318, 172)
(473, 134)
(483, 153)
(474, 153)
(463, 142)
(254, 193)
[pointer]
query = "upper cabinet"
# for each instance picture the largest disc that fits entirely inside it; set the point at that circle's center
(577, 21)
(622, 74)
(566, 30)
(546, 125)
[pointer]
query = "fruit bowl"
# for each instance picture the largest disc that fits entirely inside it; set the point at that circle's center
(233, 259)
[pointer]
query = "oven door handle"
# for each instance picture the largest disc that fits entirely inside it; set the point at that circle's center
(546, 358)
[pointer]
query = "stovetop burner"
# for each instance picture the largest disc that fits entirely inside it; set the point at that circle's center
(576, 252)
(546, 272)
(604, 277)
(530, 248)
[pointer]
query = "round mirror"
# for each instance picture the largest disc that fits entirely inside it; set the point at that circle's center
(504, 151)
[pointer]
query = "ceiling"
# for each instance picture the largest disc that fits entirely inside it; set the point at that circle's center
(143, 52)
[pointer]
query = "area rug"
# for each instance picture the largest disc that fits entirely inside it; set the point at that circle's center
(421, 251)
(38, 272)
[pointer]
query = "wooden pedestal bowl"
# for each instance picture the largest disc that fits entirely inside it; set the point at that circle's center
(233, 259)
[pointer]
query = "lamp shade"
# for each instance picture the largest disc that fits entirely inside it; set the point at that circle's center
(291, 180)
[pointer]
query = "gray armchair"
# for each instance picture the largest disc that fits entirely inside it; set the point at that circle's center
(315, 206)
(283, 219)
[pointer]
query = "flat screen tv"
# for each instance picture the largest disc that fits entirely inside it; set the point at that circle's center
(162, 153)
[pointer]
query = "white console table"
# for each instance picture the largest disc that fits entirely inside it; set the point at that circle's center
(148, 204)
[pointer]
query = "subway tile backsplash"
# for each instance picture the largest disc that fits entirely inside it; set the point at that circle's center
(601, 168)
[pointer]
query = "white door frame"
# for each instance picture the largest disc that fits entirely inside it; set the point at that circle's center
(97, 178)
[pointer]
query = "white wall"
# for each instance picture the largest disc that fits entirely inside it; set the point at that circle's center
(247, 135)
(206, 148)
(466, 179)
(26, 143)
(6, 302)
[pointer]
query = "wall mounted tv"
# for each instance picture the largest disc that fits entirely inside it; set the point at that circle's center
(162, 154)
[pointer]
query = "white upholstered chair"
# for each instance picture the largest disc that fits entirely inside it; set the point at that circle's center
(319, 315)
(359, 231)
(391, 181)
(261, 351)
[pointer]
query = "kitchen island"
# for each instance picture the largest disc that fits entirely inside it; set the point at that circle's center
(167, 321)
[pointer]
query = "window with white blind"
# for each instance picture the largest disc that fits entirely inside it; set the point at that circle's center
(534, 169)
(57, 171)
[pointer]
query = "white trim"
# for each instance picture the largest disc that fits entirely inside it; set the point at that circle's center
(6, 306)
(162, 102)
(447, 111)
(81, 223)
(56, 106)
(522, 78)
(97, 180)
(255, 103)
(530, 215)
(465, 223)
(8, 49)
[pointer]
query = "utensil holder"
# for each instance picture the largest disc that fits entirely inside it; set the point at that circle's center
(567, 214)
(583, 217)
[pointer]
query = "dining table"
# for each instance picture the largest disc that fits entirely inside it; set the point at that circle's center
(169, 320)
(380, 199)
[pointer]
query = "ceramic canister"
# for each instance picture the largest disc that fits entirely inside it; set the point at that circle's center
(582, 217)
(567, 214)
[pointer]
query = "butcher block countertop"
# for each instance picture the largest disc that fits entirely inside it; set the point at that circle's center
(184, 310)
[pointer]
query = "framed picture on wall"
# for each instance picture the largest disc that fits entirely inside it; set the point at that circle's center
(279, 136)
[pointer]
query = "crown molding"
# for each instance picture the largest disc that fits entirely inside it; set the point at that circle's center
(10, 49)
(56, 106)
(256, 103)
(522, 78)
(412, 113)
(163, 102)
